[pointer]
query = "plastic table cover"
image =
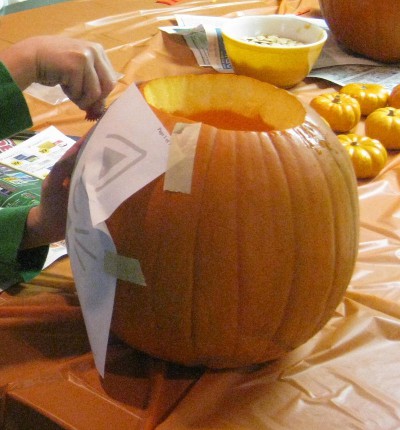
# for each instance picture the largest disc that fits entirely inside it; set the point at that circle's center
(347, 376)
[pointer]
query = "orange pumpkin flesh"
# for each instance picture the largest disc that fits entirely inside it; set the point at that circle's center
(254, 261)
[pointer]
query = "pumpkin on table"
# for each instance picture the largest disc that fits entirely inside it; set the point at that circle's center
(384, 124)
(341, 111)
(368, 155)
(394, 97)
(369, 96)
(367, 27)
(254, 260)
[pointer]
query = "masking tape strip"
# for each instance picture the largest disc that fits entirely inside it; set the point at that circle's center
(182, 151)
(123, 268)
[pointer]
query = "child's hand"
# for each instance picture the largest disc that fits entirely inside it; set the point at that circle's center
(46, 222)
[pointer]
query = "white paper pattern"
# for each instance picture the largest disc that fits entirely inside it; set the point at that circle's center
(127, 149)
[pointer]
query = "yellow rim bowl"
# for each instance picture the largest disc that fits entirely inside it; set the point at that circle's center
(283, 66)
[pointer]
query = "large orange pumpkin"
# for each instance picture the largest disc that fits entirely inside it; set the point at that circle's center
(254, 260)
(367, 27)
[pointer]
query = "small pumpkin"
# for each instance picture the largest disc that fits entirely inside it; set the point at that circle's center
(367, 27)
(254, 260)
(394, 98)
(368, 155)
(341, 111)
(369, 96)
(384, 124)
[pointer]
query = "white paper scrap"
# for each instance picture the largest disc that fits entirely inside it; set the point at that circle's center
(126, 150)
(182, 151)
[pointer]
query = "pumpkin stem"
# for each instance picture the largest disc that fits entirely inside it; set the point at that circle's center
(337, 99)
(390, 112)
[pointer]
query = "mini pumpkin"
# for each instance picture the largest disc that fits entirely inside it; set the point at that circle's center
(369, 96)
(368, 155)
(254, 260)
(384, 124)
(341, 111)
(394, 98)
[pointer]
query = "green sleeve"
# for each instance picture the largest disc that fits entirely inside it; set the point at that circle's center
(17, 266)
(14, 112)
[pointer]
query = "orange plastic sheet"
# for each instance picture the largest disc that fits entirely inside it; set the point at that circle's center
(347, 376)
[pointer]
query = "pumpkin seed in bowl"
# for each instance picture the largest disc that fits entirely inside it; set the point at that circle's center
(272, 40)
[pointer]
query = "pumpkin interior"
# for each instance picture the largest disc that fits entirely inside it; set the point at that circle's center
(257, 106)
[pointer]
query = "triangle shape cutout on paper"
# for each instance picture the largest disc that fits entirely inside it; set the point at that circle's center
(111, 158)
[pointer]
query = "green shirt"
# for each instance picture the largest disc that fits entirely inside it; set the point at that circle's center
(14, 112)
(15, 265)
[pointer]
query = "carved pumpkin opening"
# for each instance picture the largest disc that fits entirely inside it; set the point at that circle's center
(254, 106)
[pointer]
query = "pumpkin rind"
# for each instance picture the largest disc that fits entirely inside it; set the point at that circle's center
(369, 96)
(394, 97)
(251, 263)
(384, 124)
(341, 111)
(367, 27)
(368, 155)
